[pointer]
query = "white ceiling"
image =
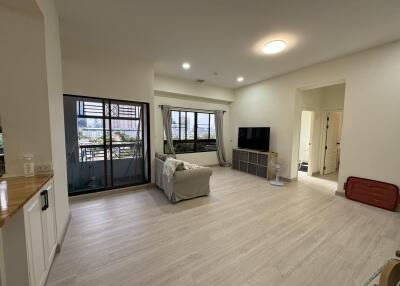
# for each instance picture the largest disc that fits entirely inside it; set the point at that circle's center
(223, 36)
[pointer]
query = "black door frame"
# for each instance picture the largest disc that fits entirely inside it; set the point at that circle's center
(146, 155)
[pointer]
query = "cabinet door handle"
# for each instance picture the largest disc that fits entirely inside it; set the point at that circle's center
(43, 199)
(45, 195)
(47, 199)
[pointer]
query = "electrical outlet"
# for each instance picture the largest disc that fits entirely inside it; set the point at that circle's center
(43, 168)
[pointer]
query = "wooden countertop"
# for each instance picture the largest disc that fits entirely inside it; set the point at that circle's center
(16, 191)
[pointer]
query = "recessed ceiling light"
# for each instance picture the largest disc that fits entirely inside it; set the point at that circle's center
(240, 79)
(274, 47)
(186, 66)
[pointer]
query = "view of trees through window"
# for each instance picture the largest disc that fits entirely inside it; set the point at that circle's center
(193, 131)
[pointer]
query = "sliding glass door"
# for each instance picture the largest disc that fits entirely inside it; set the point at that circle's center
(107, 143)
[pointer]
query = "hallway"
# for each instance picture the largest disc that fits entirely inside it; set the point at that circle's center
(325, 182)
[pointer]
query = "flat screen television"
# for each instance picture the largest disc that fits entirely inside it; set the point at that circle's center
(256, 138)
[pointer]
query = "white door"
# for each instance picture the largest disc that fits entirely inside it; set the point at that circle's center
(35, 240)
(50, 227)
(331, 142)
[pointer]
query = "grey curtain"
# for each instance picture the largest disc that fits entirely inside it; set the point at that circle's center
(167, 122)
(219, 120)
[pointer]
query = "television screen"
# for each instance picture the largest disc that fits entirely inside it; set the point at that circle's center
(256, 138)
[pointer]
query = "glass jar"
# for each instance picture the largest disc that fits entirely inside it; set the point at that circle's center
(29, 165)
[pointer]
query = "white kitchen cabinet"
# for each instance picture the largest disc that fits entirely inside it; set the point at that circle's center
(40, 232)
(28, 239)
(51, 234)
(35, 240)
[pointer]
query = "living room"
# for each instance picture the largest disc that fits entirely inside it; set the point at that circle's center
(124, 159)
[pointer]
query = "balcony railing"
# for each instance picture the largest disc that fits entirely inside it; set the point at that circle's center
(90, 153)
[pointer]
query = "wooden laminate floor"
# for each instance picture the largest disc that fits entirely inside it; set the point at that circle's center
(245, 233)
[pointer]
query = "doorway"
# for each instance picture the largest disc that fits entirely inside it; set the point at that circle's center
(107, 143)
(320, 113)
(305, 144)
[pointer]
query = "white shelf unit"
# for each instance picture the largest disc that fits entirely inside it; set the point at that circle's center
(254, 162)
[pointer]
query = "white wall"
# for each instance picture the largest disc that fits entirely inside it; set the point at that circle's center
(333, 97)
(24, 105)
(192, 88)
(371, 112)
(108, 76)
(56, 114)
(31, 93)
(312, 100)
(305, 135)
(111, 76)
(203, 158)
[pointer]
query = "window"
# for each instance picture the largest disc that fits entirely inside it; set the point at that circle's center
(192, 132)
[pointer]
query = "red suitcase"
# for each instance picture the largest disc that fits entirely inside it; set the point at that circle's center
(375, 193)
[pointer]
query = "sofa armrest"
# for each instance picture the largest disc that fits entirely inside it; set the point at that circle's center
(159, 172)
(185, 175)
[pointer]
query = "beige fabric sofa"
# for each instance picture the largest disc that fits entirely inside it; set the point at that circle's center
(186, 184)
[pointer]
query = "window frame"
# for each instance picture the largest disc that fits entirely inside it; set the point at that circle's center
(195, 140)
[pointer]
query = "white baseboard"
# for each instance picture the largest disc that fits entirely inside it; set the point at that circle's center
(287, 179)
(340, 194)
(64, 232)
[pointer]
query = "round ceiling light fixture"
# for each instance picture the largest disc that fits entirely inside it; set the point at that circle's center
(240, 79)
(274, 47)
(186, 66)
